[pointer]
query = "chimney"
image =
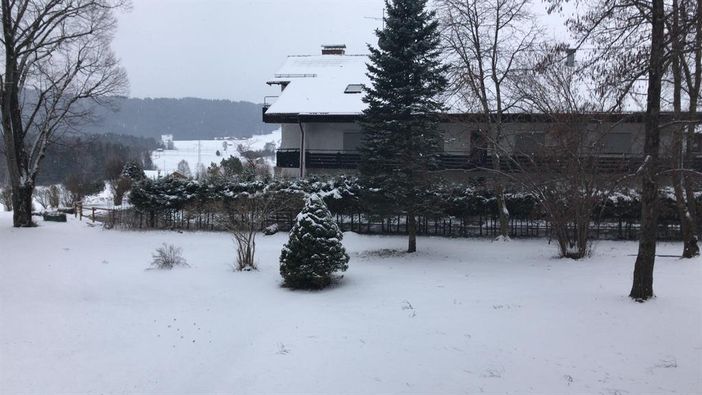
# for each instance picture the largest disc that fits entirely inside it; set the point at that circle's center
(333, 49)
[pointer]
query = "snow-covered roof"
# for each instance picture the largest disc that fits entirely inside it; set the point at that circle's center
(316, 85)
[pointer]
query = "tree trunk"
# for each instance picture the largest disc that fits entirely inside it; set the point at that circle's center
(691, 247)
(15, 154)
(412, 232)
(502, 212)
(560, 228)
(642, 287)
(687, 225)
(22, 206)
(582, 228)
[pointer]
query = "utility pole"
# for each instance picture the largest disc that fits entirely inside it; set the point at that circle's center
(378, 19)
(198, 157)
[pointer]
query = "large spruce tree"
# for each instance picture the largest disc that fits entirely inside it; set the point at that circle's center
(401, 137)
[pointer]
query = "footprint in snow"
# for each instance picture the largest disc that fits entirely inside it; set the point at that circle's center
(282, 350)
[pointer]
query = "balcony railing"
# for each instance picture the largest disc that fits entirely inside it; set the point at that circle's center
(269, 100)
(290, 158)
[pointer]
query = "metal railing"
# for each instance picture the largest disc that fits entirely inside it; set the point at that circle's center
(342, 159)
(294, 75)
(269, 100)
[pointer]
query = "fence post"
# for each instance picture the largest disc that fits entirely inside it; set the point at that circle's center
(92, 216)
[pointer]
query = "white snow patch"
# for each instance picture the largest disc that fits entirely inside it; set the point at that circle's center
(167, 160)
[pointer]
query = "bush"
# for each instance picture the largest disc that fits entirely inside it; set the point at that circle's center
(54, 196)
(119, 188)
(81, 185)
(314, 250)
(168, 256)
(41, 196)
(231, 166)
(133, 171)
(246, 214)
(270, 230)
(6, 198)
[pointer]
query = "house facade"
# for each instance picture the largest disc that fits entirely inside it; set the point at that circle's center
(320, 106)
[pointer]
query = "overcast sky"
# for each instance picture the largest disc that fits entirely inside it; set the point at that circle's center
(227, 49)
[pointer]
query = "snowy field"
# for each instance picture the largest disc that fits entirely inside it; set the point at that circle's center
(167, 160)
(80, 314)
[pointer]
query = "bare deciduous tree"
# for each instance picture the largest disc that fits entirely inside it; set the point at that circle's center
(119, 184)
(642, 286)
(184, 168)
(630, 44)
(57, 63)
(246, 215)
(54, 192)
(565, 171)
(684, 23)
(42, 196)
(6, 198)
(484, 39)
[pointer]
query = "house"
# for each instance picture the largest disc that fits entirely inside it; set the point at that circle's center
(320, 104)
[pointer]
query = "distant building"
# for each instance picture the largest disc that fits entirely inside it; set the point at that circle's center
(167, 140)
(320, 104)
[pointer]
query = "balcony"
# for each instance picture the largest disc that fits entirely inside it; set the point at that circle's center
(267, 102)
(290, 158)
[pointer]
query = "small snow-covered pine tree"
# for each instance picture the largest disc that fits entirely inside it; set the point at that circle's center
(133, 171)
(314, 250)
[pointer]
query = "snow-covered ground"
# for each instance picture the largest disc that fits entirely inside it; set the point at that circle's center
(79, 313)
(167, 160)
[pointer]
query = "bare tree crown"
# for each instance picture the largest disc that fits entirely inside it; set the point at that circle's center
(58, 62)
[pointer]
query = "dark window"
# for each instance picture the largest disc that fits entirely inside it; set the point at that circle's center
(529, 143)
(478, 147)
(617, 143)
(354, 88)
(697, 140)
(352, 140)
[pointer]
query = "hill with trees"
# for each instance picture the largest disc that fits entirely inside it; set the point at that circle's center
(186, 118)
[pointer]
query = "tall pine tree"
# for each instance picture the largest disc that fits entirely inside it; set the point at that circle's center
(401, 137)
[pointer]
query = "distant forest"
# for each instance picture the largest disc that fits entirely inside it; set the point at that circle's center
(185, 119)
(128, 129)
(87, 156)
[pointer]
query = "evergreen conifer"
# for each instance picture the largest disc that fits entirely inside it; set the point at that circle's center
(133, 171)
(314, 250)
(401, 137)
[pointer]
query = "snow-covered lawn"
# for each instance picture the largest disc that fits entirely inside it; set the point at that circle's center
(79, 313)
